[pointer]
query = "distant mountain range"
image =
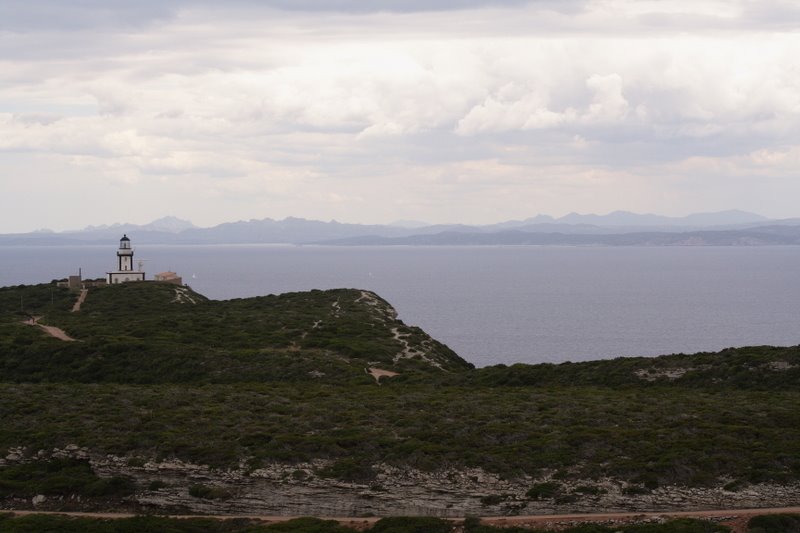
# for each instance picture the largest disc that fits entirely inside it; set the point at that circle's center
(766, 235)
(626, 218)
(620, 228)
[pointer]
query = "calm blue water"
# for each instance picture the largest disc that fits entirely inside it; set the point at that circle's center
(501, 304)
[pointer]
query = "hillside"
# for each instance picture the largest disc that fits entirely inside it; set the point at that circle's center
(263, 405)
(159, 333)
(766, 368)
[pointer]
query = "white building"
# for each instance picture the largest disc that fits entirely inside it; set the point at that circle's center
(125, 271)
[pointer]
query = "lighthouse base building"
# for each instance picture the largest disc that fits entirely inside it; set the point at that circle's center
(122, 277)
(125, 271)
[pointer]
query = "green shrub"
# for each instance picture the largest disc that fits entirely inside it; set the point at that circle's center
(60, 477)
(412, 525)
(349, 469)
(208, 493)
(776, 523)
(635, 490)
(157, 484)
(562, 499)
(681, 525)
(543, 491)
(590, 490)
(493, 499)
(114, 486)
(308, 525)
(735, 485)
(37, 523)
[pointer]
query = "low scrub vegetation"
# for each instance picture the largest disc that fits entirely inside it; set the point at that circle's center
(64, 524)
(660, 436)
(146, 333)
(777, 523)
(59, 477)
(208, 493)
(282, 379)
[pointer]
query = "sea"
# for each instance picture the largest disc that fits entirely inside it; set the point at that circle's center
(498, 304)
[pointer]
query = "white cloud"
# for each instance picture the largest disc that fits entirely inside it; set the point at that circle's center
(608, 103)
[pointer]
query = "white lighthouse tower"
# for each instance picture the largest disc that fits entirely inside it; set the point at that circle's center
(125, 271)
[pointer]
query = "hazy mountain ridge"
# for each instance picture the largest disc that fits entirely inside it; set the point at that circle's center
(618, 228)
(168, 224)
(762, 236)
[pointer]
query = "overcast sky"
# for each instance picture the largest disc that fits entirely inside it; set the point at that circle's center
(470, 111)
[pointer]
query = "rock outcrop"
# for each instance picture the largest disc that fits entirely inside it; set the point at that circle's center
(297, 489)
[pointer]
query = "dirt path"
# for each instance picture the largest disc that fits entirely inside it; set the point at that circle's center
(378, 373)
(81, 299)
(53, 331)
(735, 518)
(408, 352)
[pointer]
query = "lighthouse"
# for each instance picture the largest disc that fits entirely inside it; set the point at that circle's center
(125, 254)
(125, 271)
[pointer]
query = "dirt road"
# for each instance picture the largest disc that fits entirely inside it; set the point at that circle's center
(82, 298)
(53, 331)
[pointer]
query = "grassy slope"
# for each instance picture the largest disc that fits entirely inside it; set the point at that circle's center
(212, 382)
(140, 333)
(661, 436)
(767, 368)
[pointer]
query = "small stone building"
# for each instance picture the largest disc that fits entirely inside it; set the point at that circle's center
(169, 277)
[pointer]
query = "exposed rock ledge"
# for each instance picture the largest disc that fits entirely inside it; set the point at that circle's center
(282, 489)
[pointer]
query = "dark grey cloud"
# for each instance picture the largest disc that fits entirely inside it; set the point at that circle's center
(777, 15)
(402, 6)
(32, 15)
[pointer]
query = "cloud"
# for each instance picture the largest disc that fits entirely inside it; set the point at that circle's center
(399, 6)
(408, 105)
(36, 15)
(608, 103)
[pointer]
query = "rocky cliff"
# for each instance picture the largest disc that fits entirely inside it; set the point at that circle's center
(297, 490)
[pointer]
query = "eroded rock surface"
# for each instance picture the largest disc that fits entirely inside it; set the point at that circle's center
(297, 489)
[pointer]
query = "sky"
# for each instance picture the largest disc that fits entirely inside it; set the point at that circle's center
(371, 111)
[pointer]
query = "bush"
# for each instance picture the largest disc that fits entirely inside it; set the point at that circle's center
(493, 499)
(352, 470)
(309, 525)
(60, 477)
(114, 486)
(543, 491)
(590, 490)
(776, 523)
(157, 484)
(412, 525)
(635, 490)
(208, 493)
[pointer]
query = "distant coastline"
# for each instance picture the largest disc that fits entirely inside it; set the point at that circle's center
(725, 228)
